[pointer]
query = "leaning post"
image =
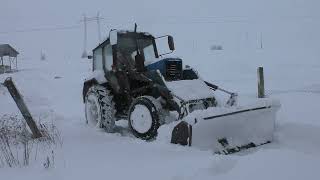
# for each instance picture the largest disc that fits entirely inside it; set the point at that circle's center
(261, 92)
(22, 107)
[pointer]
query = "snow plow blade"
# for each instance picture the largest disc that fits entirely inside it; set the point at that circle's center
(228, 129)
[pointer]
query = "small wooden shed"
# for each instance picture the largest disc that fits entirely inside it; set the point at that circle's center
(8, 53)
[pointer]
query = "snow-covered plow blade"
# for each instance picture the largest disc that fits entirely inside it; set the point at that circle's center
(228, 129)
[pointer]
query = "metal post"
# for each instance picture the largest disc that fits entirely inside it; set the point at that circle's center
(22, 107)
(261, 92)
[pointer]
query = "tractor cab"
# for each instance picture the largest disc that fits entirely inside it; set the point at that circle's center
(120, 51)
(127, 58)
(135, 49)
(127, 50)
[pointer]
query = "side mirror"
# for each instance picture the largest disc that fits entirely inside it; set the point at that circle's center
(163, 43)
(171, 43)
(113, 35)
(90, 57)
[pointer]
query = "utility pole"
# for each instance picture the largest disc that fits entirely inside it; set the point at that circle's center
(85, 54)
(98, 23)
(85, 22)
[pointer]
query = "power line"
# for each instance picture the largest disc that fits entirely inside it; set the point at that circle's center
(58, 28)
(172, 20)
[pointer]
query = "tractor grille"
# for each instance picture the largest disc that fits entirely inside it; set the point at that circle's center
(173, 70)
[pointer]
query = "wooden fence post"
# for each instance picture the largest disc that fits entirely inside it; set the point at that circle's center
(22, 107)
(261, 93)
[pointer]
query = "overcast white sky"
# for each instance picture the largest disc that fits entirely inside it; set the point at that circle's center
(228, 19)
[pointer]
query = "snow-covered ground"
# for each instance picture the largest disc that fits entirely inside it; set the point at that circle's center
(52, 88)
(90, 153)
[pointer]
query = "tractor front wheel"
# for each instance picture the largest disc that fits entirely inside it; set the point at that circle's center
(144, 118)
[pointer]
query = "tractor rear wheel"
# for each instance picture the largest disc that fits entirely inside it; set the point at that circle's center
(143, 117)
(100, 108)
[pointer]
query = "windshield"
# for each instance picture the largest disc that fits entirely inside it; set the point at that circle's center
(149, 55)
(127, 46)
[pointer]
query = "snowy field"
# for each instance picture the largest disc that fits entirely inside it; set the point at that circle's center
(53, 88)
(89, 153)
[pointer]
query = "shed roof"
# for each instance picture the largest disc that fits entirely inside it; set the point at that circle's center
(7, 50)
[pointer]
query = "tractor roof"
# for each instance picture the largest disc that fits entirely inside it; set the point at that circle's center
(124, 33)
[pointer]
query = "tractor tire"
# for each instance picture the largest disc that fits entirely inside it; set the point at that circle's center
(143, 117)
(100, 108)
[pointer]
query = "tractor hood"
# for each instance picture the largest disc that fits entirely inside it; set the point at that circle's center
(190, 89)
(170, 68)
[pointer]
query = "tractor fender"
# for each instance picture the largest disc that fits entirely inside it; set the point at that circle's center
(97, 77)
(86, 85)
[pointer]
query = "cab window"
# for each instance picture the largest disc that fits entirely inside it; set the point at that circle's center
(97, 59)
(108, 57)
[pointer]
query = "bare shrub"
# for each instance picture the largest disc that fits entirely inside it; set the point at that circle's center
(18, 148)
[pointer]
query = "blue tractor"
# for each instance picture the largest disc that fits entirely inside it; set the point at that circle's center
(132, 81)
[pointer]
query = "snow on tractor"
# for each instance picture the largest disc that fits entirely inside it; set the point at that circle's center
(132, 81)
